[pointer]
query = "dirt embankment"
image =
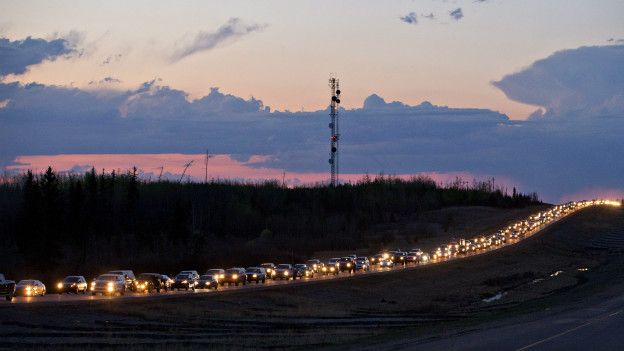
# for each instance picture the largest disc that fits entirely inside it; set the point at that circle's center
(353, 311)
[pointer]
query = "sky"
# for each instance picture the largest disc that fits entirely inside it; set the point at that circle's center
(528, 92)
(285, 61)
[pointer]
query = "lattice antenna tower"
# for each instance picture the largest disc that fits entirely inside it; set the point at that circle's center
(334, 87)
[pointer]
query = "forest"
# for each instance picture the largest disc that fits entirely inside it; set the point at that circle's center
(57, 224)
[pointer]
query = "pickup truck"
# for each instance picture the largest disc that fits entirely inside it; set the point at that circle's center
(7, 288)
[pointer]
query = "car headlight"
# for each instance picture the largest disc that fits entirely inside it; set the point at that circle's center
(59, 285)
(324, 269)
(235, 276)
(255, 276)
(314, 265)
(348, 264)
(332, 269)
(92, 284)
(222, 276)
(285, 272)
(184, 281)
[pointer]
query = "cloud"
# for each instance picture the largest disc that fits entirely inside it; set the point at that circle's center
(410, 18)
(234, 29)
(583, 82)
(16, 56)
(554, 156)
(105, 81)
(456, 14)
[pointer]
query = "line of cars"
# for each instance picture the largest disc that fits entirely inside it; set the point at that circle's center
(119, 282)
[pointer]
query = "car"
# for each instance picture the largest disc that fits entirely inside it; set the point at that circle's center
(208, 281)
(235, 275)
(7, 288)
(128, 277)
(186, 281)
(362, 264)
(218, 273)
(376, 258)
(314, 264)
(73, 283)
(346, 264)
(270, 269)
(108, 284)
(386, 263)
(303, 271)
(284, 271)
(30, 287)
(256, 274)
(147, 282)
(398, 257)
(329, 268)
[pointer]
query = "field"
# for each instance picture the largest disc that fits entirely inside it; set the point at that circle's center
(573, 259)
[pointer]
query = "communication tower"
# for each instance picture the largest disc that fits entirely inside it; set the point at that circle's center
(334, 87)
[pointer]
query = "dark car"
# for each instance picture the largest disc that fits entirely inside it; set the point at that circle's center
(362, 264)
(398, 257)
(256, 274)
(147, 282)
(303, 271)
(284, 271)
(270, 270)
(7, 288)
(346, 264)
(184, 281)
(208, 281)
(128, 277)
(30, 287)
(217, 273)
(74, 284)
(235, 276)
(329, 268)
(315, 265)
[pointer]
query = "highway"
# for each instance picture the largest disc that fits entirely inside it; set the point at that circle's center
(544, 222)
(596, 326)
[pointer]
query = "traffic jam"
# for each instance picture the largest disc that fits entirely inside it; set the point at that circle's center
(126, 283)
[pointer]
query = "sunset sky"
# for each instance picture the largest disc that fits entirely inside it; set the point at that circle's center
(285, 59)
(528, 92)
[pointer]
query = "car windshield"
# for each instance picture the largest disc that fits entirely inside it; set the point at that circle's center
(145, 276)
(72, 280)
(283, 266)
(182, 276)
(300, 266)
(253, 270)
(231, 271)
(206, 277)
(26, 282)
(214, 271)
(345, 259)
(361, 259)
(108, 277)
(312, 262)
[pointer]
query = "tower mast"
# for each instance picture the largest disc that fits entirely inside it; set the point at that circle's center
(334, 87)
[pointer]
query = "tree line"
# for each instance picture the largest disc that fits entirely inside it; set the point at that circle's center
(52, 224)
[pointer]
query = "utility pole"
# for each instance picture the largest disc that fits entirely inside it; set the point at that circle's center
(208, 156)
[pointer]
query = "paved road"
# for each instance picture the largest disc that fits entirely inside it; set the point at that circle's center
(270, 283)
(598, 326)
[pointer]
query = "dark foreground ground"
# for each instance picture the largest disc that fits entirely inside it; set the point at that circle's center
(571, 273)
